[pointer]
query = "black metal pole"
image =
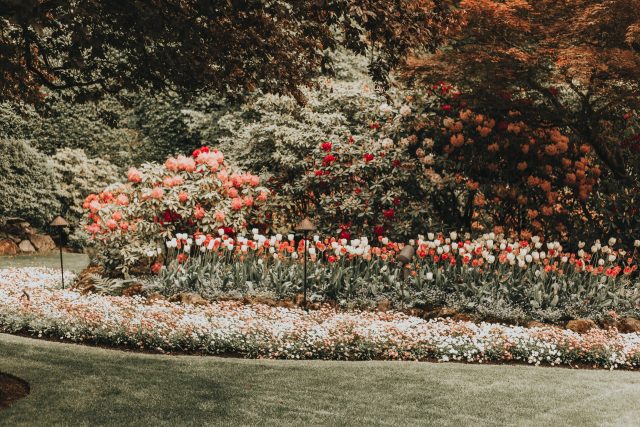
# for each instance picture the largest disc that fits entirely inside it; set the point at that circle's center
(304, 299)
(61, 264)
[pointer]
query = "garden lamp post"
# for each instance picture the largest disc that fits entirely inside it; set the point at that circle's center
(305, 227)
(404, 258)
(60, 223)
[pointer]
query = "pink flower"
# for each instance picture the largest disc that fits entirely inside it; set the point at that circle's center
(198, 212)
(183, 197)
(171, 164)
(223, 176)
(134, 175)
(254, 180)
(186, 163)
(93, 228)
(262, 197)
(124, 226)
(95, 206)
(248, 201)
(220, 216)
(157, 193)
(122, 200)
(237, 180)
(236, 204)
(117, 216)
(111, 224)
(232, 192)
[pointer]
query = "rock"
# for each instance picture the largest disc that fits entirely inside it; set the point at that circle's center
(384, 305)
(26, 247)
(581, 325)
(462, 317)
(628, 325)
(536, 324)
(8, 247)
(191, 298)
(153, 297)
(135, 289)
(446, 312)
(42, 242)
(299, 300)
(417, 312)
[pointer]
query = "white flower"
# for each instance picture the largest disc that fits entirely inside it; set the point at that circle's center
(385, 109)
(405, 110)
(221, 231)
(612, 241)
(636, 243)
(429, 276)
(431, 236)
(290, 237)
(453, 235)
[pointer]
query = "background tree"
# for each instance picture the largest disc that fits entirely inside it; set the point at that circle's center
(231, 46)
(534, 67)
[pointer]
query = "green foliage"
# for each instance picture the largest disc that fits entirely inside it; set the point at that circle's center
(28, 187)
(78, 176)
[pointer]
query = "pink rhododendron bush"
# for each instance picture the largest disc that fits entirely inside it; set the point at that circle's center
(127, 223)
(30, 303)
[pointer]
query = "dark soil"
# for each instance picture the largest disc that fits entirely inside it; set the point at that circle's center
(11, 389)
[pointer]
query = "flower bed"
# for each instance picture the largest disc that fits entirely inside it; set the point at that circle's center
(30, 303)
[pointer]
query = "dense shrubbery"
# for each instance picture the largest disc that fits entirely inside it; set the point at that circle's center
(28, 187)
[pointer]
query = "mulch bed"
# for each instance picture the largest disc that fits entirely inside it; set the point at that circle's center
(11, 389)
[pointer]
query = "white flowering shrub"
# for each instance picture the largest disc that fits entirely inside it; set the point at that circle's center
(27, 185)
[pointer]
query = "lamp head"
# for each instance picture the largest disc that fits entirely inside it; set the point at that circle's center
(406, 254)
(305, 226)
(59, 222)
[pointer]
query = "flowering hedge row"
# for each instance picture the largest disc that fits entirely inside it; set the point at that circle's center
(30, 303)
(541, 279)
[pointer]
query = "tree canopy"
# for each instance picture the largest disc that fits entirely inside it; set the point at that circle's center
(230, 46)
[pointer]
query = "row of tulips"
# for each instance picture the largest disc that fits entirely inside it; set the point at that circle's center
(531, 274)
(30, 302)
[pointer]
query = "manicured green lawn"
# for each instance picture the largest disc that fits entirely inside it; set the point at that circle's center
(72, 261)
(76, 385)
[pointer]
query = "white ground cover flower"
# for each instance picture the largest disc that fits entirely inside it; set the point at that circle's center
(30, 301)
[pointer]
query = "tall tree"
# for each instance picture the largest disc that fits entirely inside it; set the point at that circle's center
(541, 102)
(229, 46)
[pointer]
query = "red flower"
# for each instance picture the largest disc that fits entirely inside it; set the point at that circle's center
(374, 125)
(196, 153)
(156, 267)
(447, 108)
(351, 139)
(389, 213)
(396, 163)
(396, 201)
(182, 258)
(368, 157)
(344, 234)
(326, 146)
(328, 160)
(358, 190)
(331, 258)
(378, 230)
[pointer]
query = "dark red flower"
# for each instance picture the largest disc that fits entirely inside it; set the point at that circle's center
(396, 201)
(378, 230)
(358, 190)
(447, 108)
(389, 213)
(396, 163)
(328, 160)
(368, 157)
(344, 234)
